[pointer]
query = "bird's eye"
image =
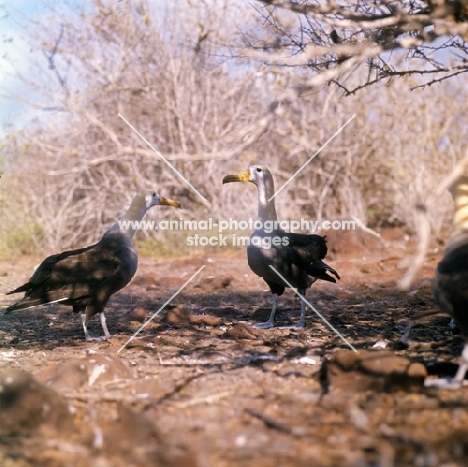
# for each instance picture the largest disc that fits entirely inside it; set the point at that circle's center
(154, 193)
(259, 169)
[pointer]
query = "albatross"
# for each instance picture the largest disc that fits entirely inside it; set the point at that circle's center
(451, 279)
(296, 257)
(86, 278)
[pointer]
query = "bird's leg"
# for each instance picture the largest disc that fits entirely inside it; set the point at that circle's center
(300, 324)
(86, 333)
(459, 378)
(84, 318)
(461, 372)
(271, 320)
(104, 325)
(82, 311)
(405, 337)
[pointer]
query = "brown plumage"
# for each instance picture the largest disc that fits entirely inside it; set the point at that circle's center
(451, 279)
(297, 257)
(86, 278)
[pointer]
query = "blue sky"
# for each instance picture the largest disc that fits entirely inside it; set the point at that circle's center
(17, 57)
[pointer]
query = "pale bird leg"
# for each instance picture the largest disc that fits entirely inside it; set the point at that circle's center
(461, 372)
(87, 336)
(271, 320)
(452, 383)
(102, 316)
(301, 323)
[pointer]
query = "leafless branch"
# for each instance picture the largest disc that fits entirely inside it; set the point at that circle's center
(333, 39)
(51, 59)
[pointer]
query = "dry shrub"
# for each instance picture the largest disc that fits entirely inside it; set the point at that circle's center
(70, 174)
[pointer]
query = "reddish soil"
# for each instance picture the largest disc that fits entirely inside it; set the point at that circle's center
(199, 387)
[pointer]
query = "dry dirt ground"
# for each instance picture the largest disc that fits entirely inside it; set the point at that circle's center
(199, 387)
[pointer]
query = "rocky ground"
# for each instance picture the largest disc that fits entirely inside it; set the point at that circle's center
(199, 387)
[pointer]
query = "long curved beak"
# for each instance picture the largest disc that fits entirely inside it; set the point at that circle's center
(169, 202)
(242, 177)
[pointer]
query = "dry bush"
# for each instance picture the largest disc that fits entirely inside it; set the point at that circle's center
(71, 174)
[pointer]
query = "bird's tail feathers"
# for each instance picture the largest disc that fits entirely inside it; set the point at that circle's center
(22, 288)
(27, 302)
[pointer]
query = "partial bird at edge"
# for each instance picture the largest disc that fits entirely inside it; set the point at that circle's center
(451, 280)
(86, 278)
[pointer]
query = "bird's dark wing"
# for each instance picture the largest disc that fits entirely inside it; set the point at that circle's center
(45, 269)
(308, 248)
(306, 252)
(77, 275)
(451, 285)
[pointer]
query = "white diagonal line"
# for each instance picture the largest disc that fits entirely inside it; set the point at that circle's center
(157, 312)
(163, 158)
(316, 312)
(316, 153)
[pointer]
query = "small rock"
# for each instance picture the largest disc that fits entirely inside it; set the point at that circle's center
(87, 371)
(180, 315)
(384, 363)
(171, 282)
(307, 360)
(347, 359)
(214, 283)
(244, 331)
(376, 371)
(210, 320)
(144, 281)
(381, 344)
(138, 314)
(417, 370)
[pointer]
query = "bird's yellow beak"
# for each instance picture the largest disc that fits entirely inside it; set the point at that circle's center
(169, 202)
(242, 177)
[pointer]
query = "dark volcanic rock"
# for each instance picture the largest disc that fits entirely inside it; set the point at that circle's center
(376, 371)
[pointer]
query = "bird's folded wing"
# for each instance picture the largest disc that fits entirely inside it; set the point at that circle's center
(73, 274)
(305, 249)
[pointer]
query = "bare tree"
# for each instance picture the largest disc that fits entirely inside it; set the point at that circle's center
(333, 40)
(73, 170)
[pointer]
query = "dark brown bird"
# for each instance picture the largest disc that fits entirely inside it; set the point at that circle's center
(451, 279)
(86, 278)
(297, 257)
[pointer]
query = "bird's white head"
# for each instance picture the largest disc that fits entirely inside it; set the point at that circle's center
(151, 198)
(260, 176)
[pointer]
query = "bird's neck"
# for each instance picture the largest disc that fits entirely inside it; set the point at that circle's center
(460, 217)
(127, 225)
(266, 209)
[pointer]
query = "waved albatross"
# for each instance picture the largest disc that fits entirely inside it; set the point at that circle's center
(86, 278)
(451, 279)
(297, 257)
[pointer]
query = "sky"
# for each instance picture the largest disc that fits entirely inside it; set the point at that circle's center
(19, 58)
(15, 56)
